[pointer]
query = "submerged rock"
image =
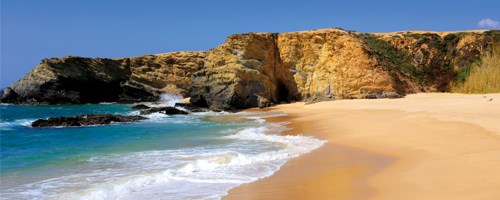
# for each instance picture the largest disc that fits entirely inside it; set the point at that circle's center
(164, 110)
(140, 107)
(85, 120)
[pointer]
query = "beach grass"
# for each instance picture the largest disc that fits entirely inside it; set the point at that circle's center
(484, 75)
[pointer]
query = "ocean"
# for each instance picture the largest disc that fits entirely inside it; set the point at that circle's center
(196, 156)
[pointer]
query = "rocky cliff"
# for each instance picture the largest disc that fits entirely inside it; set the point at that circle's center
(259, 69)
(93, 80)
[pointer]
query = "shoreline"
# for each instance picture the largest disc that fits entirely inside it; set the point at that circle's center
(337, 162)
(424, 146)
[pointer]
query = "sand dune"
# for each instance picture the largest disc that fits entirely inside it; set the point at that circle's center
(424, 146)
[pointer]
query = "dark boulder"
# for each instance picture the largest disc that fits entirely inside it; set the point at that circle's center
(140, 107)
(191, 107)
(164, 110)
(85, 120)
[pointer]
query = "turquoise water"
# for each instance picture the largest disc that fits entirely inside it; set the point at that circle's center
(198, 156)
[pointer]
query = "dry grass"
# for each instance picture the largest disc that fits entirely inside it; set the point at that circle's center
(484, 76)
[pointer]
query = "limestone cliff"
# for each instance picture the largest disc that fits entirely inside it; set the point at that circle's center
(259, 69)
(162, 73)
(335, 64)
(256, 69)
(238, 74)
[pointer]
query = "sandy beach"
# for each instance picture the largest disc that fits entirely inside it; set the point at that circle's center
(423, 146)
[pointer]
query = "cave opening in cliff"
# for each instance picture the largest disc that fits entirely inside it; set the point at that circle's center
(282, 92)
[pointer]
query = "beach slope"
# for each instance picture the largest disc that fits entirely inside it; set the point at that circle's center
(424, 146)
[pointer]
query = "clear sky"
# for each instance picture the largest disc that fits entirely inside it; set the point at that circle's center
(36, 29)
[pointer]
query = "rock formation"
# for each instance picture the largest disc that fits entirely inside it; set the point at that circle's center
(93, 80)
(140, 107)
(261, 69)
(85, 120)
(258, 69)
(191, 108)
(164, 110)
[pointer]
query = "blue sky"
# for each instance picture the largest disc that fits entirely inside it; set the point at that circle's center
(34, 29)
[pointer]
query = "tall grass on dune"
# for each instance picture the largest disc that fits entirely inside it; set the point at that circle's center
(484, 76)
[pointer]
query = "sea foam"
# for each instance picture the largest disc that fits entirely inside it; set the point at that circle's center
(20, 122)
(168, 99)
(208, 172)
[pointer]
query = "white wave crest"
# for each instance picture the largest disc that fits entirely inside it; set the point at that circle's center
(19, 122)
(167, 99)
(206, 172)
(216, 171)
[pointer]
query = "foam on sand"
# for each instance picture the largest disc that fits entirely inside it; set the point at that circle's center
(207, 172)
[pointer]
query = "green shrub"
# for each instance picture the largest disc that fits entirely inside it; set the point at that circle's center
(463, 73)
(399, 58)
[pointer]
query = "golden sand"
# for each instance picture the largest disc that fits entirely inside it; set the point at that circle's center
(424, 146)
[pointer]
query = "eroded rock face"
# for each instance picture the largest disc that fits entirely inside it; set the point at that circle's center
(93, 80)
(238, 74)
(262, 69)
(334, 64)
(8, 95)
(72, 80)
(85, 120)
(259, 69)
(162, 73)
